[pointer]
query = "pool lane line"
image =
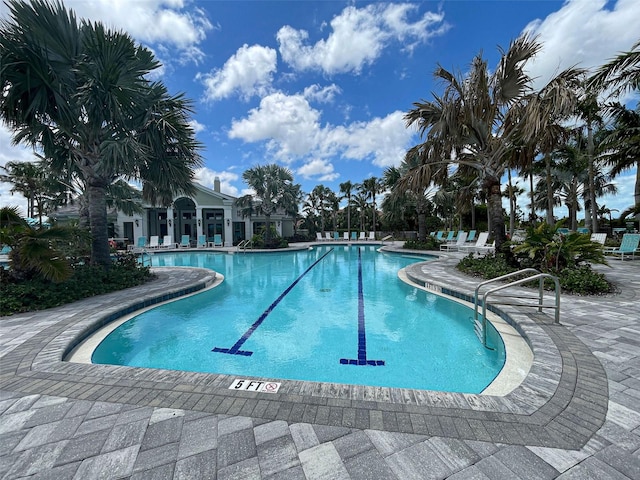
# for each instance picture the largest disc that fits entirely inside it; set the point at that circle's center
(362, 335)
(235, 350)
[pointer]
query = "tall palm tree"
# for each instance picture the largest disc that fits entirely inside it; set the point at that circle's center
(623, 142)
(273, 190)
(79, 91)
(361, 204)
(621, 73)
(464, 126)
(346, 189)
(371, 187)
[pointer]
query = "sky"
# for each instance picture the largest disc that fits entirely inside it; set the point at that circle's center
(321, 87)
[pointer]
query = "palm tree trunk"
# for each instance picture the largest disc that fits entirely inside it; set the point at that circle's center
(494, 210)
(592, 182)
(267, 233)
(549, 181)
(532, 215)
(512, 206)
(97, 193)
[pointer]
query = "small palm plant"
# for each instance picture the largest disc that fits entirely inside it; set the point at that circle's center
(549, 250)
(35, 252)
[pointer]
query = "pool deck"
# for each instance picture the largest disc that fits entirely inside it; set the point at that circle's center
(576, 415)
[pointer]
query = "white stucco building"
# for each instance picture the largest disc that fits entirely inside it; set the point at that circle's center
(208, 212)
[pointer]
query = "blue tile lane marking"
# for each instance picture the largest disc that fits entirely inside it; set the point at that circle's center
(235, 350)
(362, 336)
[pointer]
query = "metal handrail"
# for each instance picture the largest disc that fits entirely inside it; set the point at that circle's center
(244, 244)
(539, 276)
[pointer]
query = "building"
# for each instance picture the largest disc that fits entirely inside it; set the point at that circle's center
(208, 212)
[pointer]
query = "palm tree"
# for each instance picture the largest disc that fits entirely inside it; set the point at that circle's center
(80, 92)
(371, 187)
(464, 126)
(33, 250)
(622, 73)
(273, 189)
(346, 189)
(360, 203)
(623, 142)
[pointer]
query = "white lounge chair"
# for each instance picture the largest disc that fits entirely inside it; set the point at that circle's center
(372, 236)
(328, 236)
(319, 237)
(452, 247)
(600, 238)
(481, 242)
(154, 241)
(345, 236)
(167, 242)
(363, 236)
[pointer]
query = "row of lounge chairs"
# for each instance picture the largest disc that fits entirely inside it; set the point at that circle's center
(463, 244)
(167, 242)
(335, 236)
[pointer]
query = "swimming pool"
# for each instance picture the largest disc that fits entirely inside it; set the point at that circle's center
(329, 314)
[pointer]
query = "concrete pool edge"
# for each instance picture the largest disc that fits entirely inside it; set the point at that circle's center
(459, 415)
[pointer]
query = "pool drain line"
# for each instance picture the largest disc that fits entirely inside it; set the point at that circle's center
(362, 334)
(235, 350)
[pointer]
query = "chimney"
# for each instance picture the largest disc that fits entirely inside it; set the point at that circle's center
(216, 184)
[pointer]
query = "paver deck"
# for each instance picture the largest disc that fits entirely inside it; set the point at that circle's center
(576, 415)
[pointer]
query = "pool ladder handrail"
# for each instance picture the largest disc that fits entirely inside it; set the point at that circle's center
(537, 276)
(243, 244)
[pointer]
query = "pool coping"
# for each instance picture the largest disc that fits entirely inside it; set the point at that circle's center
(561, 403)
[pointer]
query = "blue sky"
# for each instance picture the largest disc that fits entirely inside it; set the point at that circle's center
(321, 87)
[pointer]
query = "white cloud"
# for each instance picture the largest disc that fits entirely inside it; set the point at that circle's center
(291, 129)
(367, 31)
(197, 126)
(583, 33)
(287, 122)
(322, 94)
(247, 73)
(206, 177)
(319, 169)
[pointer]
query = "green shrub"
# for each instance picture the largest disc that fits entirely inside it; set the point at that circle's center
(429, 244)
(85, 281)
(584, 281)
(487, 266)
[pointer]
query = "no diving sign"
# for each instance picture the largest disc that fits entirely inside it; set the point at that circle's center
(254, 386)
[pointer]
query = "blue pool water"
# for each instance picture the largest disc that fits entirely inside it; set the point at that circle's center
(330, 314)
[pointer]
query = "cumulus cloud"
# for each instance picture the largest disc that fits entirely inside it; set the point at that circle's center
(205, 176)
(287, 122)
(318, 169)
(197, 126)
(367, 31)
(584, 33)
(291, 130)
(322, 94)
(247, 73)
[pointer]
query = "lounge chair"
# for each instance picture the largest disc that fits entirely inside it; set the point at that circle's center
(582, 230)
(452, 247)
(563, 231)
(487, 248)
(600, 238)
(345, 236)
(142, 243)
(372, 236)
(202, 241)
(154, 242)
(363, 236)
(185, 242)
(628, 246)
(439, 235)
(449, 236)
(167, 242)
(319, 237)
(354, 236)
(480, 243)
(217, 240)
(328, 236)
(336, 236)
(472, 236)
